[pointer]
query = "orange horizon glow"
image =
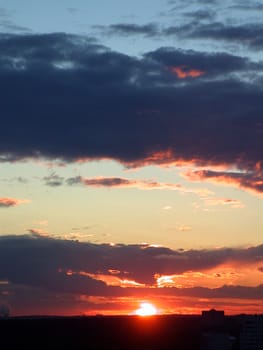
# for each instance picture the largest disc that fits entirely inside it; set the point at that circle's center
(168, 306)
(146, 309)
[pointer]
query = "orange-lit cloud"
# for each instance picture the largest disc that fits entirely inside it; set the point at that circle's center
(164, 158)
(251, 181)
(170, 158)
(109, 279)
(171, 305)
(11, 202)
(184, 72)
(191, 279)
(90, 274)
(214, 278)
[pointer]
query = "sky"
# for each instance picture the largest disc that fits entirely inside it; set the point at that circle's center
(131, 156)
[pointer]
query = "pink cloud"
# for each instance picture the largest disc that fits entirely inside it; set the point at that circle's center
(7, 202)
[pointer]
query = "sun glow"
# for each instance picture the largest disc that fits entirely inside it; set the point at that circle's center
(146, 309)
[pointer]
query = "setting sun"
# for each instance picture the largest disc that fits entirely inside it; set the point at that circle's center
(146, 309)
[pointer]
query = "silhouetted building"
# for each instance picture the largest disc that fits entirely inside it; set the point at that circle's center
(251, 335)
(213, 318)
(217, 341)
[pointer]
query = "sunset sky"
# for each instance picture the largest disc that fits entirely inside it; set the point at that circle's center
(131, 155)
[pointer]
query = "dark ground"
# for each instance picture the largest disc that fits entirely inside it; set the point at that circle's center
(102, 332)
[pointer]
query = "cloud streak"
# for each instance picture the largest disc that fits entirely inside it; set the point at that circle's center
(119, 182)
(129, 29)
(252, 181)
(202, 26)
(246, 34)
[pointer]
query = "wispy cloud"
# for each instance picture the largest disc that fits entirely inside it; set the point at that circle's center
(202, 26)
(183, 228)
(7, 24)
(119, 182)
(167, 207)
(42, 222)
(128, 29)
(249, 34)
(53, 180)
(233, 203)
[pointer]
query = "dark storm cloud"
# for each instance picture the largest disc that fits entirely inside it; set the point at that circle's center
(67, 97)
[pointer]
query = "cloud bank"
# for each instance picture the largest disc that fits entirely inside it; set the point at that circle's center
(85, 270)
(76, 99)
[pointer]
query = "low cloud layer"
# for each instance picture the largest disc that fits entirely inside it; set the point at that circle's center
(67, 267)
